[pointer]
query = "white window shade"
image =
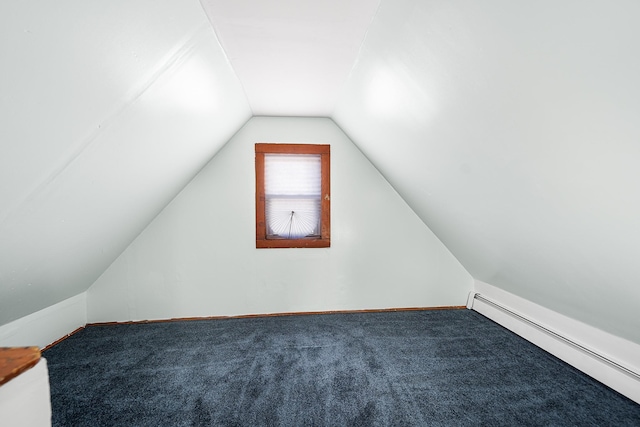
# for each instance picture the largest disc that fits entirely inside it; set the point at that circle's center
(292, 195)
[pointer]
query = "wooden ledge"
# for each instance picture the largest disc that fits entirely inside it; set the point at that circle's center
(16, 360)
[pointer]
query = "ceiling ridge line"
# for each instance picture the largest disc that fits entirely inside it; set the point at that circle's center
(346, 80)
(226, 56)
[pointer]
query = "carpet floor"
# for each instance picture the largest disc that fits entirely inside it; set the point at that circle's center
(413, 368)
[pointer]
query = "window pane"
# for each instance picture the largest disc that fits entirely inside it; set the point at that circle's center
(292, 174)
(292, 218)
(292, 195)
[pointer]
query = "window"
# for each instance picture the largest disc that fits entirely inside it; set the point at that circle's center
(293, 200)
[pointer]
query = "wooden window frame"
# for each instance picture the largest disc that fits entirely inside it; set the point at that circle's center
(324, 241)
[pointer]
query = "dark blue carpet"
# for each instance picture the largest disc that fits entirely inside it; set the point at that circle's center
(426, 368)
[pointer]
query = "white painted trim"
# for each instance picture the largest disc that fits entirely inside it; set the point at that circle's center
(584, 347)
(47, 325)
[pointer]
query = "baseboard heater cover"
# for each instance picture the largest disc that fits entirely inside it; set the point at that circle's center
(633, 374)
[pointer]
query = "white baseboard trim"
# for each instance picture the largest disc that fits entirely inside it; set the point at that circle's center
(47, 325)
(607, 358)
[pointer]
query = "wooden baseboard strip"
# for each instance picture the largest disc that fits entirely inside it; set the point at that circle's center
(63, 338)
(296, 313)
(251, 316)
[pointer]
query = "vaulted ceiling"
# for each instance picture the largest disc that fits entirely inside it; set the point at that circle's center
(510, 128)
(292, 57)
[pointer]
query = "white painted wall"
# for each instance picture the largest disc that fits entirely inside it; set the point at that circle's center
(25, 400)
(198, 257)
(108, 110)
(511, 129)
(47, 325)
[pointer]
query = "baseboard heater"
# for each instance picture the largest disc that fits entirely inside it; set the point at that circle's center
(582, 348)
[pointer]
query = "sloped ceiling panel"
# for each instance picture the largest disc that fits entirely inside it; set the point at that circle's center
(292, 57)
(108, 111)
(512, 129)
